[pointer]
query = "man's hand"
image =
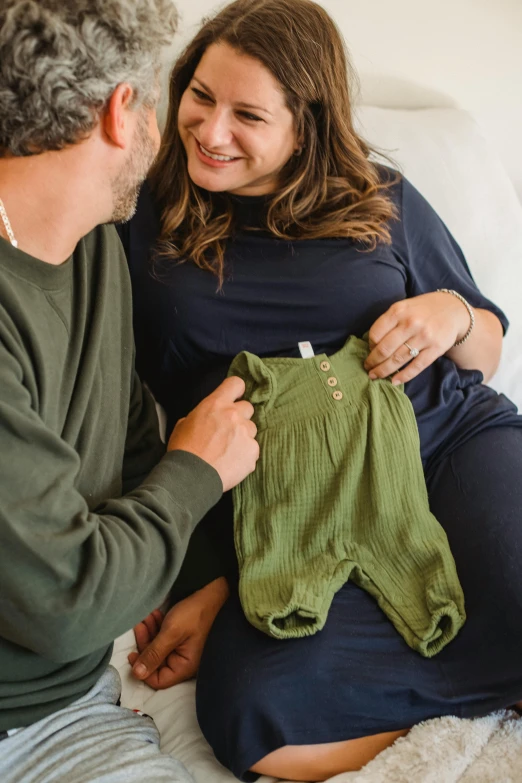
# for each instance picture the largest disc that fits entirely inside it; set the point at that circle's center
(170, 647)
(219, 431)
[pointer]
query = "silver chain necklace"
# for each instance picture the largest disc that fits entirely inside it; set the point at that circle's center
(7, 224)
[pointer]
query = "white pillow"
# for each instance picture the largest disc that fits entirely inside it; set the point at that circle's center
(446, 157)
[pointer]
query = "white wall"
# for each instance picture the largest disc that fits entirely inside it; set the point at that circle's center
(414, 53)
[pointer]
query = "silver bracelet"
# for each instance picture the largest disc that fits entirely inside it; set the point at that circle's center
(468, 308)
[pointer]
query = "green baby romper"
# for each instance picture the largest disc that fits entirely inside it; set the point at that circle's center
(339, 493)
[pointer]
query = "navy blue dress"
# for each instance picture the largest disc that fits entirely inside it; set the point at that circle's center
(357, 676)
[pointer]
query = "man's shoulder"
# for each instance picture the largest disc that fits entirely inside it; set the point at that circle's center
(102, 239)
(101, 252)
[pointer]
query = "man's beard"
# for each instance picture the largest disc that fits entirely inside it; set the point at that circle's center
(126, 186)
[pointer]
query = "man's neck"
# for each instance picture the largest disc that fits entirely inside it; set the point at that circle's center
(51, 201)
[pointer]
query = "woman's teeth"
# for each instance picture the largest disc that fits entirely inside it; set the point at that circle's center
(215, 157)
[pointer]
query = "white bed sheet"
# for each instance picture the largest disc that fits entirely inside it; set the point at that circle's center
(174, 712)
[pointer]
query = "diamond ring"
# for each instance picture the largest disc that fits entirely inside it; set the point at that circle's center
(413, 351)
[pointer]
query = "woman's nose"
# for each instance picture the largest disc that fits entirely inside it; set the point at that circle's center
(215, 132)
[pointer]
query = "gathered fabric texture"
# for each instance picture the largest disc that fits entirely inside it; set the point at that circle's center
(339, 493)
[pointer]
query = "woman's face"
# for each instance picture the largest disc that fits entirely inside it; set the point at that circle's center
(234, 124)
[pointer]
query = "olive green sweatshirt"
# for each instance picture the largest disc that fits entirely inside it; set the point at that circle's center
(80, 561)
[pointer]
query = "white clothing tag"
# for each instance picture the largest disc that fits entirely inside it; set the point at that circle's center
(306, 349)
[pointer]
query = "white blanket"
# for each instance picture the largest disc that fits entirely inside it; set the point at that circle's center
(447, 750)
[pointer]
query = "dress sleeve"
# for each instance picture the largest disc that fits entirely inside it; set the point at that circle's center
(431, 256)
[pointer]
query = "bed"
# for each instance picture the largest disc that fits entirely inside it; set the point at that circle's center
(443, 152)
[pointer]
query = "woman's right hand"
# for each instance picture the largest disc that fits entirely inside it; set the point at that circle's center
(170, 646)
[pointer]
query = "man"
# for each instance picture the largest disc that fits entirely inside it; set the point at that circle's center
(94, 516)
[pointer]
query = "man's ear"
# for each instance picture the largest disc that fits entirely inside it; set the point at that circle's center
(117, 121)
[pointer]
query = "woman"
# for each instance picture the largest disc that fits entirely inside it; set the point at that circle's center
(270, 226)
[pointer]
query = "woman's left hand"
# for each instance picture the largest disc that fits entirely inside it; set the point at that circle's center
(430, 324)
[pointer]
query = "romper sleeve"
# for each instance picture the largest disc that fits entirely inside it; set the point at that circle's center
(431, 256)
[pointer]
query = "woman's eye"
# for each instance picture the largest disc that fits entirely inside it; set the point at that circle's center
(248, 116)
(202, 96)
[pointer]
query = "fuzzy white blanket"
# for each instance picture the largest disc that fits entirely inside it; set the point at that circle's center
(447, 750)
(444, 750)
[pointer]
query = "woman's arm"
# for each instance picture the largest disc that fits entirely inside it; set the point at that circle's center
(170, 647)
(483, 348)
(431, 321)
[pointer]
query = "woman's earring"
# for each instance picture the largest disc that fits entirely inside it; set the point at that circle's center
(298, 151)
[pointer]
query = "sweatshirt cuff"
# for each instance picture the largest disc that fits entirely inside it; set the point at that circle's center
(192, 483)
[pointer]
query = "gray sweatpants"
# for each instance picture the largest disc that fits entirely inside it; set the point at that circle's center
(92, 740)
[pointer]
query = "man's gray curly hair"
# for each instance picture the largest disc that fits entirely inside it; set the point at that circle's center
(60, 61)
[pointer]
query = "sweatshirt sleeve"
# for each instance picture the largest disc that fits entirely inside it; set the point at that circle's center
(143, 446)
(73, 579)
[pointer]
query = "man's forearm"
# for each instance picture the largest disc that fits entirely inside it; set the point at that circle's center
(104, 572)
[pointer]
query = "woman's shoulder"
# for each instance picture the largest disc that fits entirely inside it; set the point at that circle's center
(414, 218)
(408, 200)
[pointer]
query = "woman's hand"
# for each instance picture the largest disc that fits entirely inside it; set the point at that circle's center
(430, 323)
(170, 646)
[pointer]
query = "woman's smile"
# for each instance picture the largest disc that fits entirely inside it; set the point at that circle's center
(216, 160)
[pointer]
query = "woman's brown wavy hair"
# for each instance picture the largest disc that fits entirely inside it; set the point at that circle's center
(330, 190)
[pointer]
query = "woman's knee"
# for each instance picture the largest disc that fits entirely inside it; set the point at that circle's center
(320, 762)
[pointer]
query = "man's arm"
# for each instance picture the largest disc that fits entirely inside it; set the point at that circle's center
(73, 579)
(143, 445)
(143, 450)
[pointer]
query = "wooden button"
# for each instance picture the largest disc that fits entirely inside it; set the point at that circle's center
(325, 366)
(332, 381)
(337, 395)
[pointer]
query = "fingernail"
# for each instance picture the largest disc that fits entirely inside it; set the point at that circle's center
(372, 375)
(140, 670)
(396, 382)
